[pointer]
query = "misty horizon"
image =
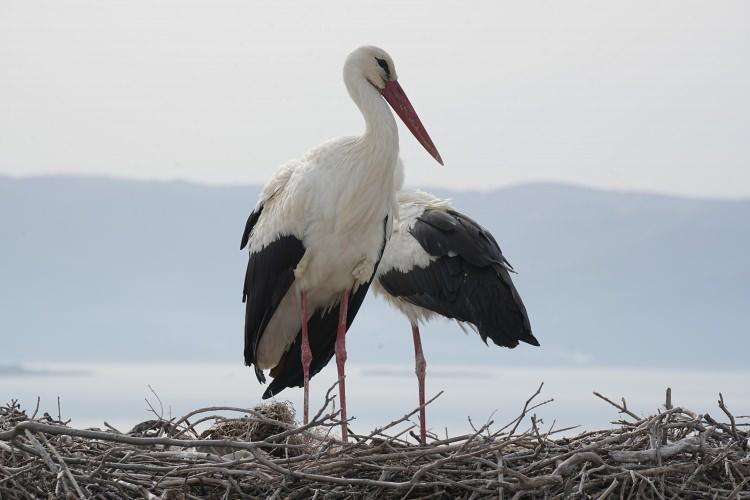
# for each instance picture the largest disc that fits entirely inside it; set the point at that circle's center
(407, 186)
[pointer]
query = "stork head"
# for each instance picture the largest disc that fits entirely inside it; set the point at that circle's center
(372, 63)
(375, 66)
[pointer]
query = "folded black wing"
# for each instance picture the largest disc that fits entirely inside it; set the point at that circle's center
(270, 273)
(468, 281)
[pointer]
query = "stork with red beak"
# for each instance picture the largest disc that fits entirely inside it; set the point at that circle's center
(318, 232)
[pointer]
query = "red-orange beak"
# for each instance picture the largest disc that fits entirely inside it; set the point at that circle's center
(396, 97)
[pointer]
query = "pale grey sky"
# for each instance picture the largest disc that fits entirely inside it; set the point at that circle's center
(648, 95)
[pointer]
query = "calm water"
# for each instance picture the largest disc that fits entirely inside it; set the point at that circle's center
(91, 393)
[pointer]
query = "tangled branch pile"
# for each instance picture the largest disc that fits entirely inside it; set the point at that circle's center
(261, 453)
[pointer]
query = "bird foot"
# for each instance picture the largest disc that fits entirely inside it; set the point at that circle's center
(364, 271)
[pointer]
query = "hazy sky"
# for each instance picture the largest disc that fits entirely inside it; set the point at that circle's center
(651, 95)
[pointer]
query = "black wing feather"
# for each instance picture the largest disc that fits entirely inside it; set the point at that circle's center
(250, 224)
(469, 281)
(270, 273)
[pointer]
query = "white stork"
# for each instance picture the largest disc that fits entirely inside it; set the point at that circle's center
(440, 262)
(318, 232)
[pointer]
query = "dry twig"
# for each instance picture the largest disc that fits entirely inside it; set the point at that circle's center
(261, 452)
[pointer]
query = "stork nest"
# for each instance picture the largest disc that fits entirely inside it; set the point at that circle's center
(675, 453)
(278, 417)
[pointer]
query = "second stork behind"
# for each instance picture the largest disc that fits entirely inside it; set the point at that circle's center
(440, 262)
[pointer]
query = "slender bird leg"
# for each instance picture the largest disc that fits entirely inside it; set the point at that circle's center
(341, 360)
(420, 365)
(306, 353)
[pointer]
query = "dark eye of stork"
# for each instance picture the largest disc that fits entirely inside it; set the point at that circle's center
(384, 64)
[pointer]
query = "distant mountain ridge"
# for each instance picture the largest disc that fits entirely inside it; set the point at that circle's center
(109, 269)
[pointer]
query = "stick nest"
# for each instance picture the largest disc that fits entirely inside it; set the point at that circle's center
(261, 452)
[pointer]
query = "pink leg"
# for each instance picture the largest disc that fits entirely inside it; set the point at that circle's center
(420, 366)
(306, 354)
(341, 360)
